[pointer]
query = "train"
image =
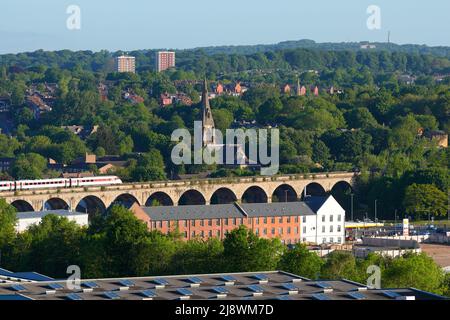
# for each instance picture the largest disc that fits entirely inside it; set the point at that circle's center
(59, 183)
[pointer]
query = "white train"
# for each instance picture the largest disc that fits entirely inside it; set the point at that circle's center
(59, 183)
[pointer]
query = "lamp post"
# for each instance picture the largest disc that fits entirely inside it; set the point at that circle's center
(376, 210)
(351, 206)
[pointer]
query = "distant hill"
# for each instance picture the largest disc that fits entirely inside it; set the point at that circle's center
(311, 44)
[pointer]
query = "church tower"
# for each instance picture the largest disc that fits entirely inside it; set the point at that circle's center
(207, 121)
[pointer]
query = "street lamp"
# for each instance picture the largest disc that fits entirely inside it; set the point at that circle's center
(351, 206)
(376, 210)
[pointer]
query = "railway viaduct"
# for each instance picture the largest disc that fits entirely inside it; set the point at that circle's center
(182, 192)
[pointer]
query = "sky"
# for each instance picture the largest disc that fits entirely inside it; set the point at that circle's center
(28, 25)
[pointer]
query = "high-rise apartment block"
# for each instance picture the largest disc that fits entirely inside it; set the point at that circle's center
(165, 60)
(126, 64)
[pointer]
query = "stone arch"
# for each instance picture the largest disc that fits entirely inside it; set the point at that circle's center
(161, 198)
(313, 189)
(254, 194)
(22, 206)
(223, 196)
(284, 193)
(91, 205)
(191, 197)
(125, 199)
(56, 204)
(342, 191)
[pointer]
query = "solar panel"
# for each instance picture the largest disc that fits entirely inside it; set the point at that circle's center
(391, 294)
(283, 298)
(289, 286)
(111, 295)
(357, 295)
(74, 297)
(18, 287)
(90, 285)
(320, 296)
(161, 281)
(55, 286)
(148, 293)
(324, 285)
(260, 277)
(126, 283)
(228, 278)
(184, 292)
(256, 289)
(195, 280)
(220, 290)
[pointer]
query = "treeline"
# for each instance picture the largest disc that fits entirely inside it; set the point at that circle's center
(119, 245)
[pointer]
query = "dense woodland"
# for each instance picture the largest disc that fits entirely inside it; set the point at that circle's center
(120, 245)
(371, 126)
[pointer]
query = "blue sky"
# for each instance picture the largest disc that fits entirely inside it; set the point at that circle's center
(27, 25)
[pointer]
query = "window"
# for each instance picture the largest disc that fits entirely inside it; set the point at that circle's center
(265, 231)
(331, 228)
(296, 230)
(331, 240)
(296, 219)
(339, 240)
(226, 222)
(193, 234)
(257, 231)
(193, 223)
(304, 219)
(280, 230)
(288, 219)
(280, 219)
(324, 240)
(234, 221)
(210, 233)
(273, 230)
(331, 218)
(304, 229)
(257, 220)
(339, 218)
(202, 233)
(185, 234)
(339, 228)
(218, 233)
(289, 230)
(323, 229)
(202, 223)
(209, 222)
(265, 220)
(323, 218)
(217, 222)
(185, 223)
(304, 239)
(273, 220)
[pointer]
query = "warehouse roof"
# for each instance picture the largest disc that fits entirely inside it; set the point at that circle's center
(41, 214)
(235, 286)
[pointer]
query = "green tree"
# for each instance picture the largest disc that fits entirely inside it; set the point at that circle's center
(423, 199)
(339, 265)
(7, 223)
(414, 270)
(244, 251)
(29, 166)
(302, 262)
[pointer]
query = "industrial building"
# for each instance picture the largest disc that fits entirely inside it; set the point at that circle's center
(274, 285)
(27, 219)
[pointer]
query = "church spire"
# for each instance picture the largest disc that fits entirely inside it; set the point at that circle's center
(207, 121)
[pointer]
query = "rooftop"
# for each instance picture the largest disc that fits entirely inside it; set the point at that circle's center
(235, 286)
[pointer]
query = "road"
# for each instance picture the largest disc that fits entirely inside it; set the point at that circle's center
(440, 253)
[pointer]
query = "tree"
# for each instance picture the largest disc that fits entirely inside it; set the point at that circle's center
(360, 118)
(425, 199)
(302, 262)
(244, 251)
(8, 146)
(29, 166)
(223, 119)
(339, 265)
(414, 270)
(7, 223)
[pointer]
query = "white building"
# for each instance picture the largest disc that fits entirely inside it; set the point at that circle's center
(328, 223)
(27, 219)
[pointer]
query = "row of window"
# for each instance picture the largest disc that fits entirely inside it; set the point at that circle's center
(338, 240)
(339, 218)
(217, 222)
(257, 231)
(339, 228)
